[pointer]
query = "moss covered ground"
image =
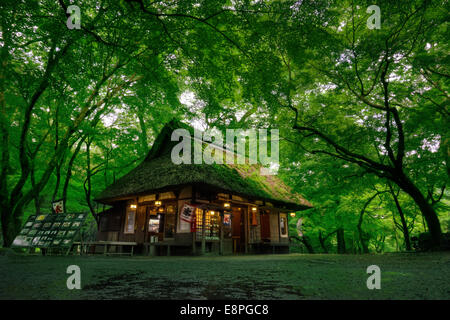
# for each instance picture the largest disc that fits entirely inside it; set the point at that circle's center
(293, 276)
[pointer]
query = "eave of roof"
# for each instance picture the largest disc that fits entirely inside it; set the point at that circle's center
(158, 172)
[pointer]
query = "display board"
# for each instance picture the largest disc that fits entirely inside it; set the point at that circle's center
(50, 230)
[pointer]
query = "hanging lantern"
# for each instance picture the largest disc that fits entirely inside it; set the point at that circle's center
(227, 205)
(158, 203)
(133, 206)
(292, 214)
(254, 209)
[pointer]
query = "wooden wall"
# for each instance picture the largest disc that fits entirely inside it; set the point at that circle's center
(110, 224)
(274, 227)
(113, 230)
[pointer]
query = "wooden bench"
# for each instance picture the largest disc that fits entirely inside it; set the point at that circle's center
(105, 244)
(272, 245)
(150, 246)
(278, 244)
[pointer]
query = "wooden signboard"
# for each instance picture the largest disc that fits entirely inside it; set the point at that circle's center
(49, 230)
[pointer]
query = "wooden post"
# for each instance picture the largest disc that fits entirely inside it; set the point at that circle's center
(152, 249)
(203, 233)
(194, 237)
(146, 224)
(246, 233)
(221, 233)
(193, 243)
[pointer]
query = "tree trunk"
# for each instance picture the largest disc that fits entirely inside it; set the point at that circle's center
(306, 242)
(402, 219)
(10, 227)
(69, 171)
(362, 241)
(361, 233)
(397, 247)
(59, 164)
(88, 188)
(322, 242)
(340, 240)
(5, 229)
(58, 182)
(37, 203)
(427, 210)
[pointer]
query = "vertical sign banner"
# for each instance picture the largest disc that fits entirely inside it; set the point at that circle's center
(58, 206)
(227, 219)
(194, 223)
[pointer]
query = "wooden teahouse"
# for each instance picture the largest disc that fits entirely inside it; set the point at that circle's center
(237, 210)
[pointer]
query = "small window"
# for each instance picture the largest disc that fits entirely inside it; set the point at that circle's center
(129, 223)
(166, 195)
(147, 198)
(283, 225)
(211, 224)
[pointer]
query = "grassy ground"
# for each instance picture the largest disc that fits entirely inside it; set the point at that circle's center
(294, 276)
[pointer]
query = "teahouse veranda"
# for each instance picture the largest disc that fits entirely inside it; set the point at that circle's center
(168, 208)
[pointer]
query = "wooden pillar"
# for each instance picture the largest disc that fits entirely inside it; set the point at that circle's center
(146, 222)
(152, 249)
(193, 243)
(194, 234)
(203, 233)
(246, 215)
(221, 233)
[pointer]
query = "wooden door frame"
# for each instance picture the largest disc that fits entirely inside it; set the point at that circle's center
(266, 218)
(140, 229)
(243, 234)
(246, 228)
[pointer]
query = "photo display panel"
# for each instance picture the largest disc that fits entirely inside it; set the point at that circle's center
(50, 230)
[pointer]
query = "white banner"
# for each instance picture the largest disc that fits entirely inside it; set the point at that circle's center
(187, 213)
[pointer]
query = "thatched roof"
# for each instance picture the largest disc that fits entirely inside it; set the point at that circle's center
(158, 172)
